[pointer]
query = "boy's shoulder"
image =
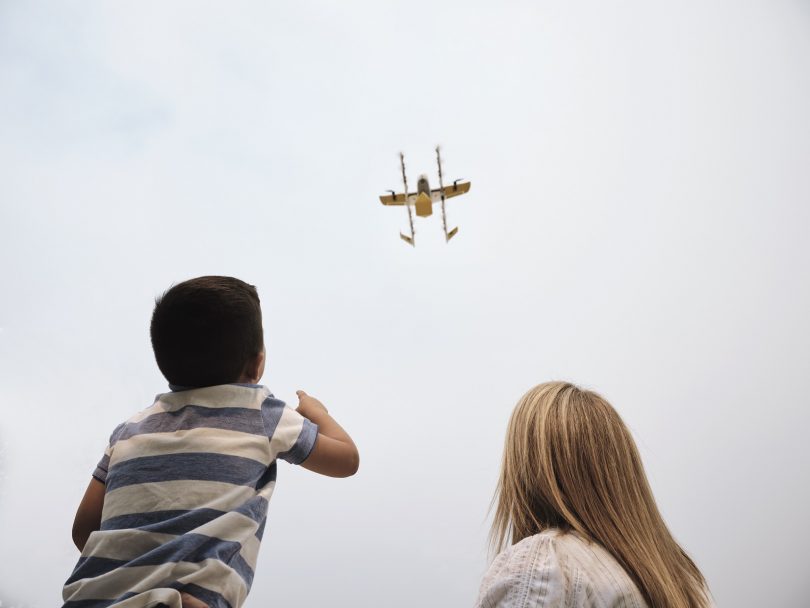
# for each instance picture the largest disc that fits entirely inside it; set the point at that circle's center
(181, 409)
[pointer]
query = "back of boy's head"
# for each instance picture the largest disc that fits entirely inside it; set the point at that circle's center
(205, 330)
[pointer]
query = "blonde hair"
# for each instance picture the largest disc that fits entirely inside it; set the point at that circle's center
(569, 462)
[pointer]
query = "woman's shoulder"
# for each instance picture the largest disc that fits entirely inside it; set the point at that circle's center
(554, 548)
(555, 568)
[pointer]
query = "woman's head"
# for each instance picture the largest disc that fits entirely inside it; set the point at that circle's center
(569, 462)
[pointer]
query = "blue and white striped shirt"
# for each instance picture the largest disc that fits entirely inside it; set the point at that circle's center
(188, 482)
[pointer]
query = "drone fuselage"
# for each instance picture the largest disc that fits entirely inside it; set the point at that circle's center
(424, 201)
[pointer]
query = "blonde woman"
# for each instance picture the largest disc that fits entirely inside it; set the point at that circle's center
(576, 516)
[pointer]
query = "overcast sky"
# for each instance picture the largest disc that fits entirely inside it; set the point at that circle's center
(637, 223)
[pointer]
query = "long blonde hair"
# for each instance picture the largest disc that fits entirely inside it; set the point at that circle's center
(569, 462)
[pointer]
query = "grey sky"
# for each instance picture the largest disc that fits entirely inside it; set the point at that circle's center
(637, 223)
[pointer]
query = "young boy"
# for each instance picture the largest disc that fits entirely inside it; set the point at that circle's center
(178, 503)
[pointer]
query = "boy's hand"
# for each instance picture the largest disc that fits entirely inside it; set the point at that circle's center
(334, 453)
(309, 406)
(189, 601)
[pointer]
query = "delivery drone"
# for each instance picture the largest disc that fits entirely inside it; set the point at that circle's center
(422, 200)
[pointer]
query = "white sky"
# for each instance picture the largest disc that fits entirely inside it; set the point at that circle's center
(637, 223)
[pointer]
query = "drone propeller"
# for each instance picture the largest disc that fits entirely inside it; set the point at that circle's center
(407, 239)
(454, 231)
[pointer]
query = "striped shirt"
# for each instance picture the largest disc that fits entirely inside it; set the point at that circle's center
(188, 482)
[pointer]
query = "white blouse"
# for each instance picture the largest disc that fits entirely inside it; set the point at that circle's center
(556, 569)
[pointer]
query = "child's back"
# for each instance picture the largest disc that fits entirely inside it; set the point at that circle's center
(179, 500)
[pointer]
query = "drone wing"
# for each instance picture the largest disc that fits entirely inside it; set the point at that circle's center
(395, 199)
(455, 189)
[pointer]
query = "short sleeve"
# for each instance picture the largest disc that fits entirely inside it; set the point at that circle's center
(100, 472)
(292, 436)
(103, 465)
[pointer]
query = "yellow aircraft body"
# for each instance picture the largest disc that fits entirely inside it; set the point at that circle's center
(422, 200)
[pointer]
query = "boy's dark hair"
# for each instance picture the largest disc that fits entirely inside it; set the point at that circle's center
(205, 330)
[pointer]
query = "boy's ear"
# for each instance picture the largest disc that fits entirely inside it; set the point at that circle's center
(254, 370)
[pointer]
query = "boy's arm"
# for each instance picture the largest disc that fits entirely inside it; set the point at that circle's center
(88, 515)
(334, 453)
